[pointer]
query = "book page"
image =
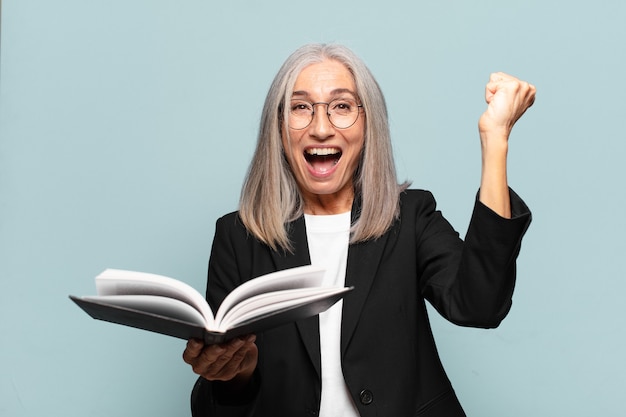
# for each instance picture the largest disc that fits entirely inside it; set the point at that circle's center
(300, 277)
(154, 304)
(120, 282)
(271, 303)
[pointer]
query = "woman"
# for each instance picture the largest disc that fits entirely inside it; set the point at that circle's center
(322, 189)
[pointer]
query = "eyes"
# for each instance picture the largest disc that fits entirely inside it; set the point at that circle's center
(342, 112)
(339, 107)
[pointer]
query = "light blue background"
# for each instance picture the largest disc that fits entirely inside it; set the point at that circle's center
(126, 128)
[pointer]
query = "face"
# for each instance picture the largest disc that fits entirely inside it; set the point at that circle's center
(323, 157)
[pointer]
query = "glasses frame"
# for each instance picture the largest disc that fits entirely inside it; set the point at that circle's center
(327, 104)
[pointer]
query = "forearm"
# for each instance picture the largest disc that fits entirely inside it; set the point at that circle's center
(494, 188)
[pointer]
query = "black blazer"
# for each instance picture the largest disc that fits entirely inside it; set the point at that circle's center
(389, 358)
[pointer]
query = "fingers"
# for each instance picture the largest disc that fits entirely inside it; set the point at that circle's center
(501, 80)
(224, 361)
(214, 362)
(508, 98)
(194, 347)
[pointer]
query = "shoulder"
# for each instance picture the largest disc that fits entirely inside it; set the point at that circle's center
(230, 226)
(417, 208)
(416, 199)
(231, 219)
(415, 195)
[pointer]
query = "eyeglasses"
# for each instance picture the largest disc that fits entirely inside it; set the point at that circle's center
(342, 113)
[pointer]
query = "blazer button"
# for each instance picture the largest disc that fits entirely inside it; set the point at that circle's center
(366, 397)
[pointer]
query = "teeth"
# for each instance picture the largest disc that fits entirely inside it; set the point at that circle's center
(322, 151)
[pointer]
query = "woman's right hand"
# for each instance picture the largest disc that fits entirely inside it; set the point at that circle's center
(233, 361)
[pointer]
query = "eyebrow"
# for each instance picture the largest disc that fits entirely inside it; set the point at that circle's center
(335, 92)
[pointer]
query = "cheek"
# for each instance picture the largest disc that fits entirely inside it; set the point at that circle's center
(290, 152)
(357, 154)
(286, 142)
(357, 134)
(356, 142)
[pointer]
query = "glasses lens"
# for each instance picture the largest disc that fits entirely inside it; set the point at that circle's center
(300, 114)
(343, 112)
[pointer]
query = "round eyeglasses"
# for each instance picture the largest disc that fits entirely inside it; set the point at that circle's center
(342, 113)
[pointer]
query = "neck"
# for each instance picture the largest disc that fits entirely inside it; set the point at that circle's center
(328, 204)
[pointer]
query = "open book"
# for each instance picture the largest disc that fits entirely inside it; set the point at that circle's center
(168, 306)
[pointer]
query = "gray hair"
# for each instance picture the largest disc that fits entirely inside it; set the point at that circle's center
(270, 197)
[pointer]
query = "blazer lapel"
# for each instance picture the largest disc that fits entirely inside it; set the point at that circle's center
(363, 261)
(308, 328)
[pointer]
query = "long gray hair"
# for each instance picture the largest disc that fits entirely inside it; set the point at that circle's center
(270, 197)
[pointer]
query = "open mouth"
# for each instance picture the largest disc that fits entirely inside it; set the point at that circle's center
(322, 159)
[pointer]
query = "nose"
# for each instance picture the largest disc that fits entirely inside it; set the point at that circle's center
(320, 126)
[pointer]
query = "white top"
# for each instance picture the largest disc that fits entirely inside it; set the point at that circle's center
(328, 238)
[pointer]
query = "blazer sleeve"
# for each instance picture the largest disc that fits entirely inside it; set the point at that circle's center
(470, 282)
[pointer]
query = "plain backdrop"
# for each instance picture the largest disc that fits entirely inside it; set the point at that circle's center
(126, 128)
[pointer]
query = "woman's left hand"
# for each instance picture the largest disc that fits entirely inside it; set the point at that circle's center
(507, 99)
